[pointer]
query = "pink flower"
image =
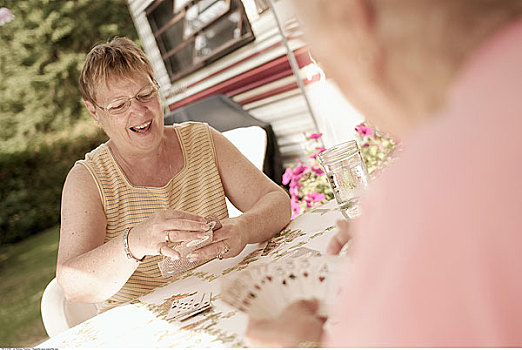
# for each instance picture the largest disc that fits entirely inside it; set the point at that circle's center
(299, 170)
(364, 130)
(315, 197)
(294, 188)
(317, 170)
(287, 176)
(315, 136)
(314, 155)
(296, 208)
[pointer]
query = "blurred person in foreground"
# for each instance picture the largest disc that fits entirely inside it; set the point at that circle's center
(435, 259)
(151, 185)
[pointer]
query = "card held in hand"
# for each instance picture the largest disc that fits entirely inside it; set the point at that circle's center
(169, 267)
(264, 290)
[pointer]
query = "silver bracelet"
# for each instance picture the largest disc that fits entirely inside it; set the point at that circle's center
(126, 246)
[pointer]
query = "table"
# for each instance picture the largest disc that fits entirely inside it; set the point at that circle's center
(143, 323)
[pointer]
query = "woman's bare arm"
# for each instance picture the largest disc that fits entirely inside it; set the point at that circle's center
(90, 270)
(265, 205)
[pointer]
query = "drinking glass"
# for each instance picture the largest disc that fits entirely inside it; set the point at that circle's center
(347, 175)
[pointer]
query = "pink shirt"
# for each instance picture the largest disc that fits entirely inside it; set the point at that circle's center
(437, 258)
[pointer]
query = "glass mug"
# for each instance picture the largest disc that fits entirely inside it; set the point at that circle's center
(347, 175)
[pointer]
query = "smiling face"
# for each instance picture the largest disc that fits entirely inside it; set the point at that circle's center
(137, 130)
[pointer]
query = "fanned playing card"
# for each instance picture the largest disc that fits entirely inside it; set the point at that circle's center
(169, 267)
(184, 308)
(264, 290)
(301, 252)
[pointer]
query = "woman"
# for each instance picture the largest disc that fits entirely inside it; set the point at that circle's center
(150, 185)
(435, 260)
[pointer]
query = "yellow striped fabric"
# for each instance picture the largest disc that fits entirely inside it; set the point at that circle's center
(197, 188)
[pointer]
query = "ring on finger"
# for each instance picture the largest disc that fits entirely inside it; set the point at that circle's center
(223, 252)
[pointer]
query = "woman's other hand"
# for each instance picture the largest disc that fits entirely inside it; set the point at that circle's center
(297, 326)
(228, 241)
(341, 238)
(151, 236)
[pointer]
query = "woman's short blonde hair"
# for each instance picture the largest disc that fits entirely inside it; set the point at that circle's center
(119, 57)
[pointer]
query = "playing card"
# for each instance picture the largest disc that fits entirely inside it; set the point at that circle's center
(283, 282)
(264, 290)
(184, 308)
(186, 248)
(303, 272)
(301, 252)
(261, 281)
(292, 281)
(169, 267)
(320, 285)
(243, 293)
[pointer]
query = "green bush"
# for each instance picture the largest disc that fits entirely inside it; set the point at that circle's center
(31, 183)
(42, 51)
(45, 127)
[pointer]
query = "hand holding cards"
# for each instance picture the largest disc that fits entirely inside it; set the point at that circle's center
(169, 267)
(186, 248)
(264, 290)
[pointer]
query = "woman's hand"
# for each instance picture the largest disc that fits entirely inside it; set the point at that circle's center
(342, 237)
(151, 236)
(228, 241)
(297, 326)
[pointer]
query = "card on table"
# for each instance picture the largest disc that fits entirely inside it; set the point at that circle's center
(184, 308)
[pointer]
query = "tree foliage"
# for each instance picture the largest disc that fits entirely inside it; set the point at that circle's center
(41, 55)
(44, 125)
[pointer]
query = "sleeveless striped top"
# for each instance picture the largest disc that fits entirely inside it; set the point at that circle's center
(197, 188)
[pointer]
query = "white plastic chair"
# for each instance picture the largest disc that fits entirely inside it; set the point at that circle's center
(251, 142)
(58, 314)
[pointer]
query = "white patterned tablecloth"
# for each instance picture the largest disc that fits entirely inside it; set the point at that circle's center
(143, 323)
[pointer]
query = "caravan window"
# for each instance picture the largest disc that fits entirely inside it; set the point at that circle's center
(193, 33)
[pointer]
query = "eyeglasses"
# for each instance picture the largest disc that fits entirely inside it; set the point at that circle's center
(121, 105)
